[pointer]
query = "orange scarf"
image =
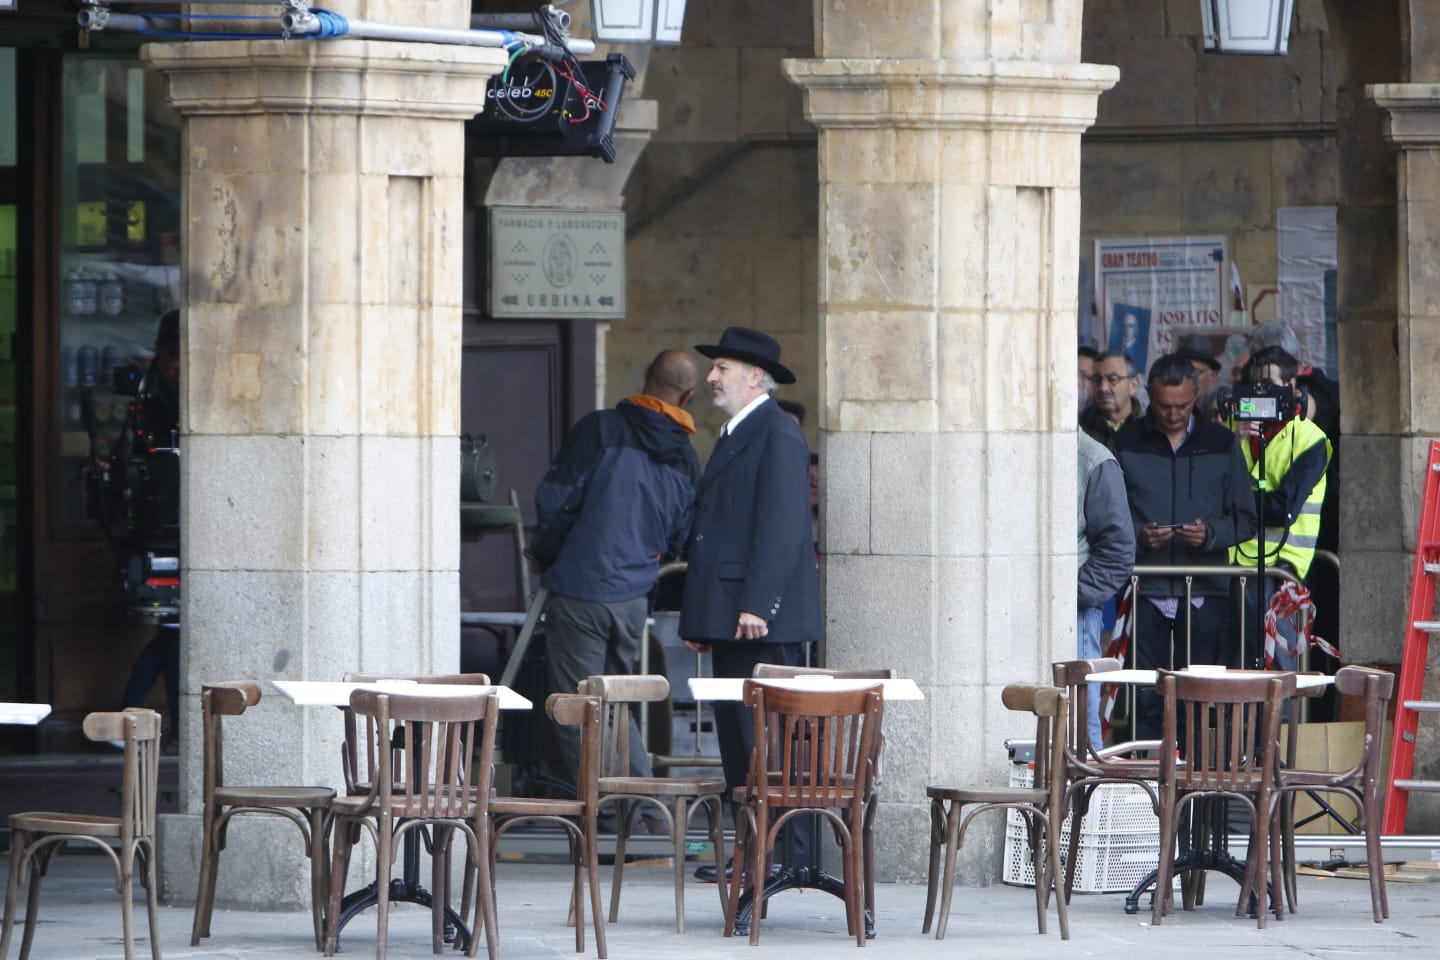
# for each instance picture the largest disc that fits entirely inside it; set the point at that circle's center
(685, 421)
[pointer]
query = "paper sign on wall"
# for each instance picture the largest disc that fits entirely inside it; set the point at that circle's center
(1150, 290)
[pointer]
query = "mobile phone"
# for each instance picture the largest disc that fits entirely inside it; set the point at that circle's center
(1168, 526)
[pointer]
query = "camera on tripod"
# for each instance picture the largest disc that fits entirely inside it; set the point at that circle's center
(1261, 402)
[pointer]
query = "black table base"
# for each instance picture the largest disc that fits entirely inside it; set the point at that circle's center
(407, 890)
(1205, 845)
(794, 878)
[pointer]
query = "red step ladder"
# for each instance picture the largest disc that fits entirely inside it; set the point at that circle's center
(1421, 625)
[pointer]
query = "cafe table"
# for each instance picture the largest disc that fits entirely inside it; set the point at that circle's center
(23, 714)
(1209, 847)
(806, 876)
(336, 693)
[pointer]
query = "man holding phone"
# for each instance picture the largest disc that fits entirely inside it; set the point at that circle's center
(1190, 501)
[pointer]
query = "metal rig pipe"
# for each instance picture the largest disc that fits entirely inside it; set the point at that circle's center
(369, 30)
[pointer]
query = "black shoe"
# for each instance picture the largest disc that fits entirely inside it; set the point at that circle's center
(706, 873)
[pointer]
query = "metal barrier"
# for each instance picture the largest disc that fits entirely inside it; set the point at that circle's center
(1189, 573)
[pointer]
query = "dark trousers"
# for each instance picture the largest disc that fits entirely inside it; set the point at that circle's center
(161, 657)
(584, 638)
(1161, 643)
(735, 731)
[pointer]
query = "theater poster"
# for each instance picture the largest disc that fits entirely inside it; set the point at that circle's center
(1150, 290)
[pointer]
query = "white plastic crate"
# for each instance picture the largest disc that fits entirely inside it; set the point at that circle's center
(1119, 838)
(1109, 863)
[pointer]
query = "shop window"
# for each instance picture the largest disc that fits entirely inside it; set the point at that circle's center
(119, 223)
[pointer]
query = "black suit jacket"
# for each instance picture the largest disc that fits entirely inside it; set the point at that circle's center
(751, 548)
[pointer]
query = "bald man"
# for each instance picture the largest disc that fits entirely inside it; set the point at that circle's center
(616, 500)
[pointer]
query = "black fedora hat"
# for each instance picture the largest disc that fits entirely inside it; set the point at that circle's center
(1196, 346)
(749, 346)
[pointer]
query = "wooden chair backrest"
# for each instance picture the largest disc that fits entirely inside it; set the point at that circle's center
(436, 752)
(616, 693)
(1376, 687)
(584, 711)
(1226, 727)
(1075, 677)
(140, 781)
(813, 745)
(224, 698)
(358, 769)
(1050, 706)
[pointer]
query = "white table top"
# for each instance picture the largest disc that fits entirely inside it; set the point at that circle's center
(1146, 678)
(732, 688)
(23, 714)
(336, 693)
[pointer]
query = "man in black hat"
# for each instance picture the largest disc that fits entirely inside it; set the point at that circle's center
(1198, 349)
(751, 593)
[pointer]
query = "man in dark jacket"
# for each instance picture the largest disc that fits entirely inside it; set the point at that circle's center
(1190, 501)
(616, 499)
(751, 593)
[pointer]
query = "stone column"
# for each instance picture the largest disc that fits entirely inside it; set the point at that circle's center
(1412, 392)
(322, 202)
(949, 233)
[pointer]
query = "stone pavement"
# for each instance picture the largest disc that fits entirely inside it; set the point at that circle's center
(80, 919)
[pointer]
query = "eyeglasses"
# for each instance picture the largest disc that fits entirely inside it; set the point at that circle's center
(1113, 379)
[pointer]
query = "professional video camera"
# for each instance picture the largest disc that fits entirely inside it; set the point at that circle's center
(1261, 402)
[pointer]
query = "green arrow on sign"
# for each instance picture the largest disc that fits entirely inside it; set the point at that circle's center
(607, 301)
(510, 300)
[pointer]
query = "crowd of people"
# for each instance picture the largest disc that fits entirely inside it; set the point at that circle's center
(1186, 472)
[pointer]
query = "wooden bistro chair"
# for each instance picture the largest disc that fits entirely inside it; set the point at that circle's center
(1360, 783)
(434, 766)
(1226, 727)
(677, 797)
(306, 807)
(36, 837)
(1042, 803)
(816, 752)
(778, 671)
(1089, 765)
(576, 817)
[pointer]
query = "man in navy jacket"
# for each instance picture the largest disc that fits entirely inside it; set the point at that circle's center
(1190, 502)
(617, 498)
(751, 593)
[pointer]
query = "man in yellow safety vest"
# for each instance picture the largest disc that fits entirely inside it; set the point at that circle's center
(1297, 453)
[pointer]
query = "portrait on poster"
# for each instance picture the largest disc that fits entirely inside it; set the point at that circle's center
(1130, 332)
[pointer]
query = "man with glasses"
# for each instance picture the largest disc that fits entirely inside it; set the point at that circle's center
(1190, 501)
(1113, 387)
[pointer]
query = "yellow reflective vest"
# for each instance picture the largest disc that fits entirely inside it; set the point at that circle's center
(1298, 549)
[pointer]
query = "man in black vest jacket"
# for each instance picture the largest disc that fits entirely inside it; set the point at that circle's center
(751, 593)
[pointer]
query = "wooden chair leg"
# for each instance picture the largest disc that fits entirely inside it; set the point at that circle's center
(590, 846)
(759, 847)
(623, 813)
(384, 860)
(1375, 859)
(205, 894)
(343, 837)
(947, 878)
(739, 858)
(1052, 846)
(679, 816)
(319, 872)
(126, 885)
(152, 902)
(485, 916)
(1039, 856)
(932, 874)
(715, 812)
(19, 856)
